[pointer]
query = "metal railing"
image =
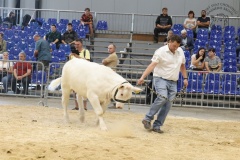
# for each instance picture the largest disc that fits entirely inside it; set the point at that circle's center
(121, 23)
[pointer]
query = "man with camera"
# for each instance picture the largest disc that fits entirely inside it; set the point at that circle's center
(79, 52)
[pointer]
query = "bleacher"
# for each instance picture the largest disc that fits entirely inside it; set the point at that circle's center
(133, 52)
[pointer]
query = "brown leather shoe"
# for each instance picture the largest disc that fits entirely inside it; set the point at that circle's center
(75, 109)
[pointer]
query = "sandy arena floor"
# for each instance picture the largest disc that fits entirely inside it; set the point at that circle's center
(31, 132)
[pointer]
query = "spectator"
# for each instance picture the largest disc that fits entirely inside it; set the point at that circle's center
(203, 21)
(197, 60)
(6, 69)
(42, 51)
(112, 60)
(69, 36)
(212, 62)
(163, 24)
(187, 42)
(191, 23)
(166, 64)
(21, 74)
(87, 19)
(10, 20)
(3, 45)
(54, 36)
(170, 33)
(80, 52)
(26, 20)
(237, 52)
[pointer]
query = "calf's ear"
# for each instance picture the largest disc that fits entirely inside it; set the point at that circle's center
(136, 89)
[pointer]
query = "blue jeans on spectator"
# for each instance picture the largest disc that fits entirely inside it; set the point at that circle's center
(166, 88)
(5, 81)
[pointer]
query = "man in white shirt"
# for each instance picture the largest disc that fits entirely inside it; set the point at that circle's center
(166, 63)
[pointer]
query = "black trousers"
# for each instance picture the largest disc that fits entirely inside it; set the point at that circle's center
(25, 83)
(159, 30)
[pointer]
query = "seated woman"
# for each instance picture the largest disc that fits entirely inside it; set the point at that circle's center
(6, 70)
(197, 60)
(212, 62)
(190, 23)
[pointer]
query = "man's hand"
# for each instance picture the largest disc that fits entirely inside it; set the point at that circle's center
(140, 81)
(185, 82)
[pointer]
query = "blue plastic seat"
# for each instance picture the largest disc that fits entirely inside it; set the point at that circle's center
(34, 25)
(81, 33)
(229, 77)
(189, 33)
(178, 27)
(66, 48)
(176, 31)
(55, 62)
(102, 25)
(64, 21)
(16, 27)
(29, 51)
(22, 45)
(52, 21)
(10, 45)
(53, 46)
(229, 87)
(41, 20)
(39, 77)
(229, 61)
(46, 26)
(75, 22)
(194, 86)
(230, 54)
(230, 68)
(195, 75)
(213, 77)
(212, 87)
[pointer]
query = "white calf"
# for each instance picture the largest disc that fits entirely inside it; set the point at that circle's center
(97, 83)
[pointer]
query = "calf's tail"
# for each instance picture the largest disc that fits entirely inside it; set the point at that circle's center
(54, 84)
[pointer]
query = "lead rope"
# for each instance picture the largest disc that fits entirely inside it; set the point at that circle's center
(181, 94)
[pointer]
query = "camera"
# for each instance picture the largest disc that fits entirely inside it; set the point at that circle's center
(75, 51)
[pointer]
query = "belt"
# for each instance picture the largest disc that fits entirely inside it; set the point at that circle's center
(168, 79)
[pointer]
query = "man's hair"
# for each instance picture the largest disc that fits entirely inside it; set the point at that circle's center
(211, 49)
(176, 38)
(87, 9)
(183, 31)
(165, 8)
(54, 25)
(1, 33)
(23, 53)
(69, 24)
(191, 12)
(78, 40)
(114, 46)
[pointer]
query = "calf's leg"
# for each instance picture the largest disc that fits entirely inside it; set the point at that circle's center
(93, 98)
(81, 108)
(65, 100)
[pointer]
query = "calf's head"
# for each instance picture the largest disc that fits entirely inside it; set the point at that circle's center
(124, 92)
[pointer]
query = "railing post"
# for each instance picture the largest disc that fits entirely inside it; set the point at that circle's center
(132, 28)
(58, 16)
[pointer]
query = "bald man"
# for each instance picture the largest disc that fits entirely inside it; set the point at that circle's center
(112, 60)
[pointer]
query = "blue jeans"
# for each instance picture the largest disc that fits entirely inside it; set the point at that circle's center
(5, 81)
(161, 106)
